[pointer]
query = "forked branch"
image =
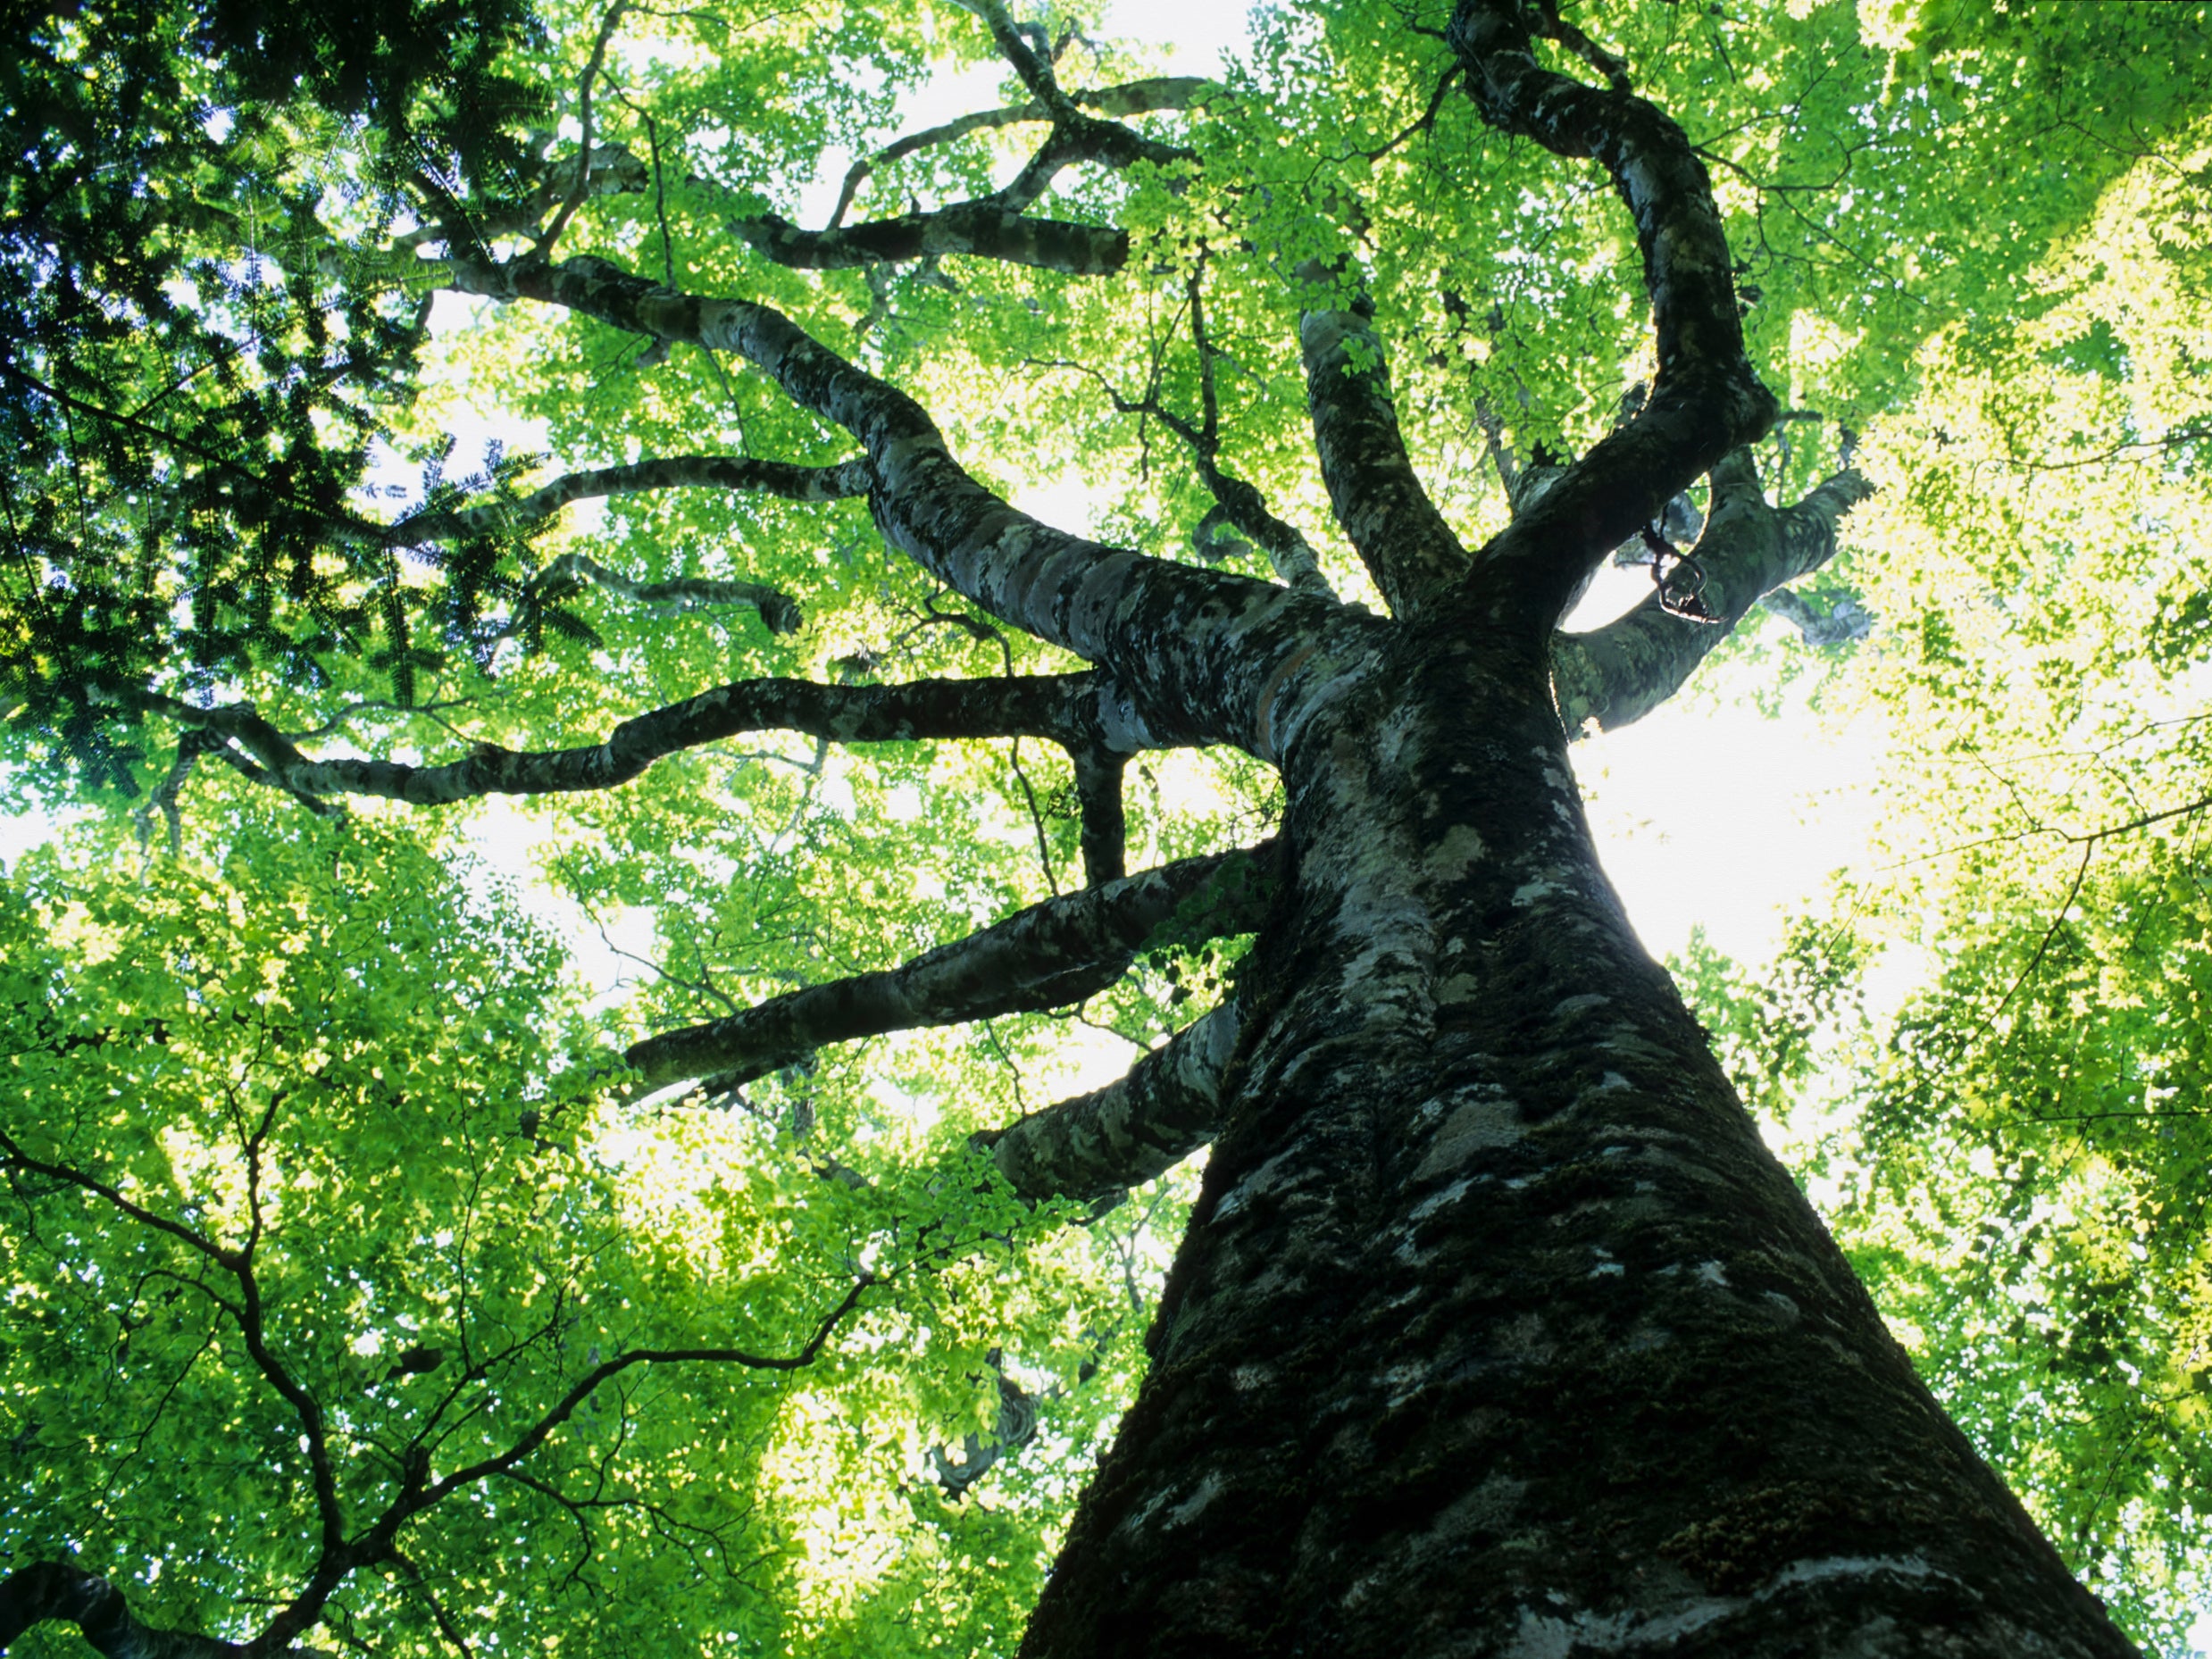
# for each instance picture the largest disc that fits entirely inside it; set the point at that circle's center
(1135, 98)
(1211, 648)
(1619, 674)
(995, 226)
(1705, 398)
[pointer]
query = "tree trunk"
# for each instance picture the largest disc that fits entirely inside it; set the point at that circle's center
(1497, 1330)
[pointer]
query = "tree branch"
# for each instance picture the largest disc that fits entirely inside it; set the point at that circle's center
(1048, 955)
(1618, 673)
(1206, 649)
(57, 1590)
(777, 612)
(1097, 1146)
(993, 227)
(13, 1156)
(1104, 824)
(535, 1434)
(1393, 526)
(1705, 398)
(1135, 98)
(1071, 709)
(1238, 504)
(582, 185)
(988, 228)
(841, 482)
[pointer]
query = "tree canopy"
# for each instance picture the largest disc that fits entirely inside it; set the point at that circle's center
(639, 413)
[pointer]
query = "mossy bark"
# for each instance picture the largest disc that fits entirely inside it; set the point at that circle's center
(1498, 1329)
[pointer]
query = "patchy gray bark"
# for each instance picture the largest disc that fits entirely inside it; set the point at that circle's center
(1085, 713)
(1618, 673)
(1144, 1122)
(1393, 526)
(1048, 956)
(1705, 400)
(1497, 1330)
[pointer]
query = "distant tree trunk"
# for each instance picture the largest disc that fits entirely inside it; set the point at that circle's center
(1497, 1330)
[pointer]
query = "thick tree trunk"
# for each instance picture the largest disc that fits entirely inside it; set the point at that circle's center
(1497, 1330)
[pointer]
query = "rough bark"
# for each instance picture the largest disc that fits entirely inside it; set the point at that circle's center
(1085, 713)
(1705, 398)
(1497, 1330)
(1392, 523)
(1619, 674)
(1048, 956)
(1104, 826)
(1157, 1114)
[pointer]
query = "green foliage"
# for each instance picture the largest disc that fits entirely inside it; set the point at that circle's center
(193, 361)
(218, 343)
(314, 1043)
(2009, 1130)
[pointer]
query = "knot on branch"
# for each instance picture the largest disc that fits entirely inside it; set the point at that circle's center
(1679, 578)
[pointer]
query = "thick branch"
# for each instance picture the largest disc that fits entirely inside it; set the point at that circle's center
(1705, 398)
(1205, 648)
(1393, 526)
(613, 170)
(1048, 956)
(1103, 825)
(1622, 671)
(1071, 709)
(1847, 620)
(55, 1590)
(1096, 1146)
(985, 229)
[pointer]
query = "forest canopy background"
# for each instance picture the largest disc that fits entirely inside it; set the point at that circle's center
(1976, 251)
